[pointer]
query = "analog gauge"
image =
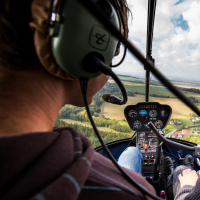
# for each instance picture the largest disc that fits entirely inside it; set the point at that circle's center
(163, 113)
(146, 124)
(153, 113)
(137, 124)
(158, 124)
(142, 134)
(141, 140)
(132, 113)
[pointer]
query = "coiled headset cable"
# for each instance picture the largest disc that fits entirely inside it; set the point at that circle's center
(92, 60)
(84, 86)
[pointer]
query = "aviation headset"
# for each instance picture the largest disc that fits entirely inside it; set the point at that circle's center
(76, 33)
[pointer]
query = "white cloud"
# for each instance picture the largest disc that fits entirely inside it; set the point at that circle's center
(192, 15)
(176, 51)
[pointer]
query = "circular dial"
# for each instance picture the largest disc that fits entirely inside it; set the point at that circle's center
(163, 113)
(132, 113)
(142, 134)
(153, 113)
(137, 124)
(158, 124)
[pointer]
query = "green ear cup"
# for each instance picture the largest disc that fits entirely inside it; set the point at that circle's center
(77, 34)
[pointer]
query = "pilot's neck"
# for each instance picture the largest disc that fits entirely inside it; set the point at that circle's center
(27, 104)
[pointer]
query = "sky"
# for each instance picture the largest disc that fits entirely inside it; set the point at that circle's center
(176, 41)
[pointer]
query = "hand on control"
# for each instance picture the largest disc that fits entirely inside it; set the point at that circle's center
(188, 177)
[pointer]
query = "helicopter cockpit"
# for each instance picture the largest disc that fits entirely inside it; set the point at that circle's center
(148, 119)
(63, 54)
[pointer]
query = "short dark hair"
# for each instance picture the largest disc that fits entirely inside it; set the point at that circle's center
(16, 37)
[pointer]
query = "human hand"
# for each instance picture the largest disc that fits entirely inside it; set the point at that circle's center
(188, 177)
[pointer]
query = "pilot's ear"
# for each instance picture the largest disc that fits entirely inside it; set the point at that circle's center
(42, 40)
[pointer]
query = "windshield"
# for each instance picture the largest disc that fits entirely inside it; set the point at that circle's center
(176, 50)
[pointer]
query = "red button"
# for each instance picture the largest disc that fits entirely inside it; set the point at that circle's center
(145, 147)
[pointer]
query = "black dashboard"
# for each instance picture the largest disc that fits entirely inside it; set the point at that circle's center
(140, 114)
(147, 142)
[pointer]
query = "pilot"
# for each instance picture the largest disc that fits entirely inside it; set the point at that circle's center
(39, 161)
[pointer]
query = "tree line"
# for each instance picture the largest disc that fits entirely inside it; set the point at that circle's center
(89, 132)
(132, 94)
(193, 100)
(80, 114)
(112, 124)
(99, 121)
(95, 107)
(194, 90)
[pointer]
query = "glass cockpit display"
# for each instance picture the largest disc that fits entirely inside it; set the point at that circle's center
(143, 113)
(139, 115)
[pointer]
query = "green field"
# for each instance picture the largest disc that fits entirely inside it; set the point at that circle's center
(135, 87)
(129, 78)
(192, 94)
(134, 84)
(179, 110)
(123, 123)
(169, 128)
(158, 90)
(70, 121)
(187, 122)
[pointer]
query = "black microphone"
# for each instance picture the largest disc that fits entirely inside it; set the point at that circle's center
(112, 99)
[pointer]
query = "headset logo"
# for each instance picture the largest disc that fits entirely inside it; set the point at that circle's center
(99, 38)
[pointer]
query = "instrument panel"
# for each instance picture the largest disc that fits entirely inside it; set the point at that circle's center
(140, 114)
(147, 142)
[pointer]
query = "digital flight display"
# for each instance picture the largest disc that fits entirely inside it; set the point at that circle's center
(143, 113)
